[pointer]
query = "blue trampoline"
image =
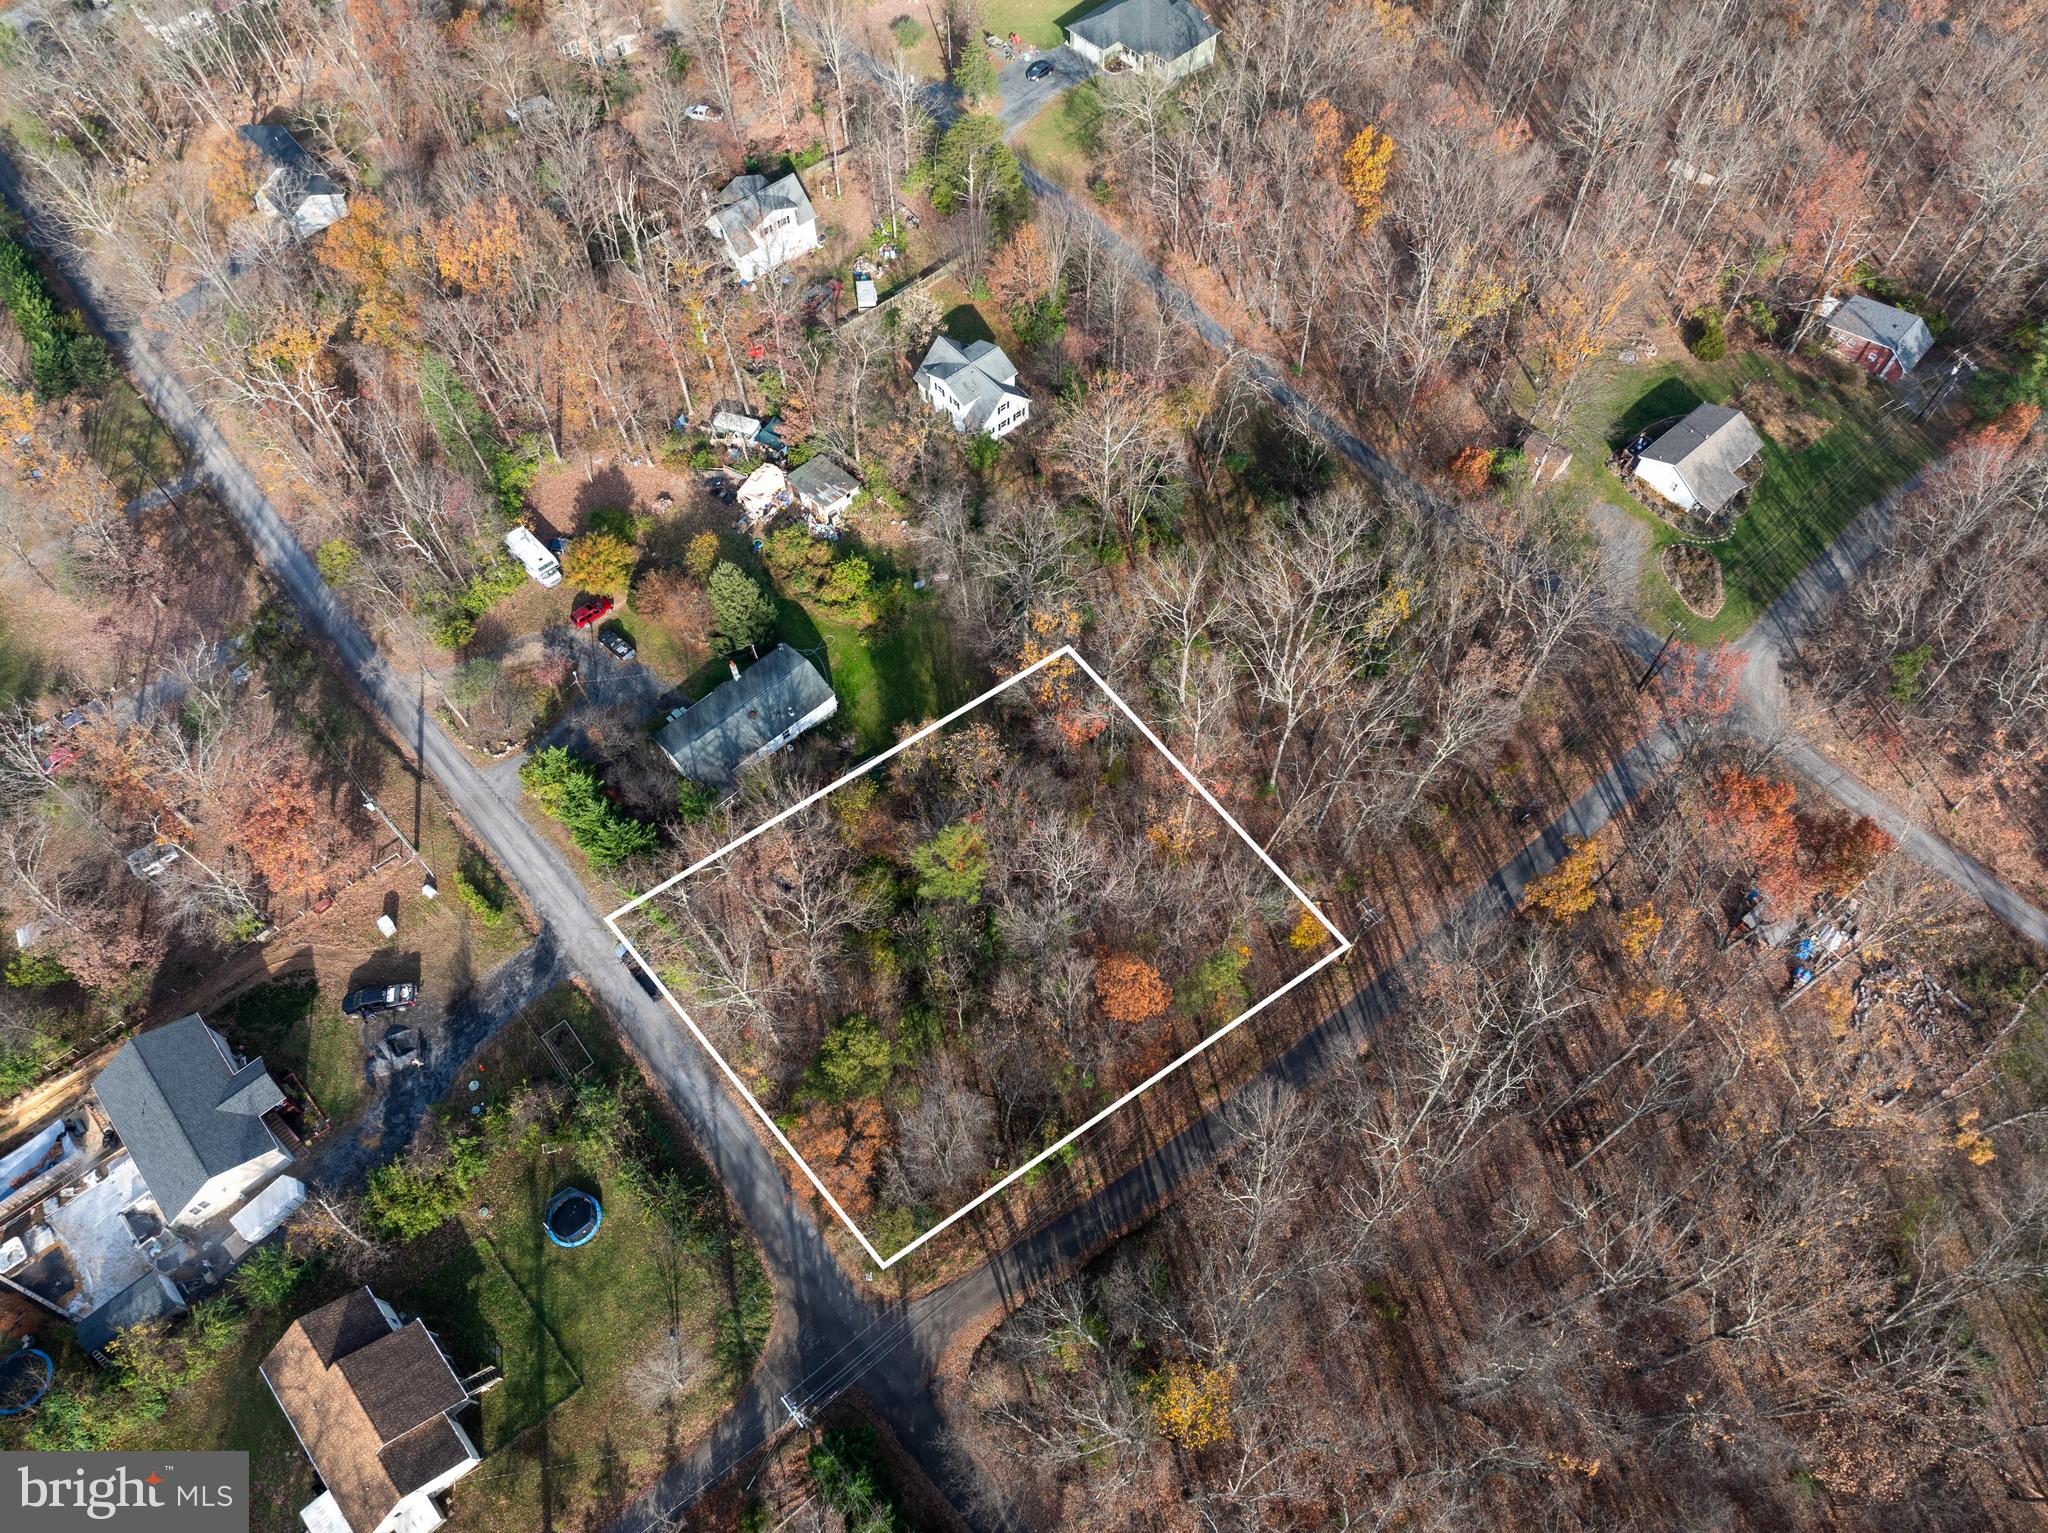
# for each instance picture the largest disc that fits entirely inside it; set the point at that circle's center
(572, 1217)
(25, 1376)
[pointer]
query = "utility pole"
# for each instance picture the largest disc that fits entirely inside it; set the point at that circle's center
(1656, 660)
(377, 809)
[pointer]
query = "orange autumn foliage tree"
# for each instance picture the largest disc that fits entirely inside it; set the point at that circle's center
(1754, 816)
(1130, 989)
(281, 827)
(1023, 270)
(1325, 131)
(1841, 850)
(479, 248)
(367, 253)
(233, 177)
(1697, 688)
(1471, 470)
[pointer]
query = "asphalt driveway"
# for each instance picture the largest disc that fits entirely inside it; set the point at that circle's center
(1023, 97)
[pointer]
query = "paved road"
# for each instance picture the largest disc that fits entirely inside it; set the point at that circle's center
(828, 1332)
(1770, 640)
(1775, 637)
(820, 1313)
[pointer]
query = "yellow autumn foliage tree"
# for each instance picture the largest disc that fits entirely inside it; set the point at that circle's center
(1367, 163)
(1308, 933)
(1469, 294)
(1191, 1404)
(1639, 929)
(1567, 889)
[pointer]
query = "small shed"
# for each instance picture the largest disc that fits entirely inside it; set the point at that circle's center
(864, 292)
(734, 427)
(532, 109)
(826, 490)
(1546, 458)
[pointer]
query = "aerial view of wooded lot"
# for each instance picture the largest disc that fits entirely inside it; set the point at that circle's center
(943, 967)
(835, 765)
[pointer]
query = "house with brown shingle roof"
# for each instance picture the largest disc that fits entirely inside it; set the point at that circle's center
(373, 1402)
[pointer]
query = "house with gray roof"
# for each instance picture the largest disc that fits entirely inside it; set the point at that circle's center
(1878, 338)
(825, 489)
(1697, 464)
(974, 384)
(1166, 38)
(294, 190)
(761, 224)
(756, 714)
(191, 1113)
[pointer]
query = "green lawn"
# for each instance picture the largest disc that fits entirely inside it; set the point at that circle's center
(22, 673)
(569, 1430)
(908, 675)
(1060, 139)
(295, 1028)
(1036, 21)
(659, 650)
(905, 669)
(471, 1302)
(1805, 496)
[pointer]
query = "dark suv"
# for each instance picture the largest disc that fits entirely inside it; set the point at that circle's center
(380, 998)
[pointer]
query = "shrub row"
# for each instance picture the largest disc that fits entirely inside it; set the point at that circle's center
(569, 789)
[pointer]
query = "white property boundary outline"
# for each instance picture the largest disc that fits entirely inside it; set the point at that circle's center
(1067, 652)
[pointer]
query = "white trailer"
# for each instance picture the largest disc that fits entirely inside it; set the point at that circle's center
(531, 552)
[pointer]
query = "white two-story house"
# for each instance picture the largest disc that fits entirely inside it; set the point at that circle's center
(976, 385)
(191, 1112)
(761, 224)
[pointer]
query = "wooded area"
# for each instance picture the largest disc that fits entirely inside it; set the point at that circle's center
(943, 967)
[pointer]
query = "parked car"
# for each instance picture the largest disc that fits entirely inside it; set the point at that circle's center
(380, 998)
(640, 976)
(617, 643)
(702, 113)
(1039, 69)
(589, 613)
